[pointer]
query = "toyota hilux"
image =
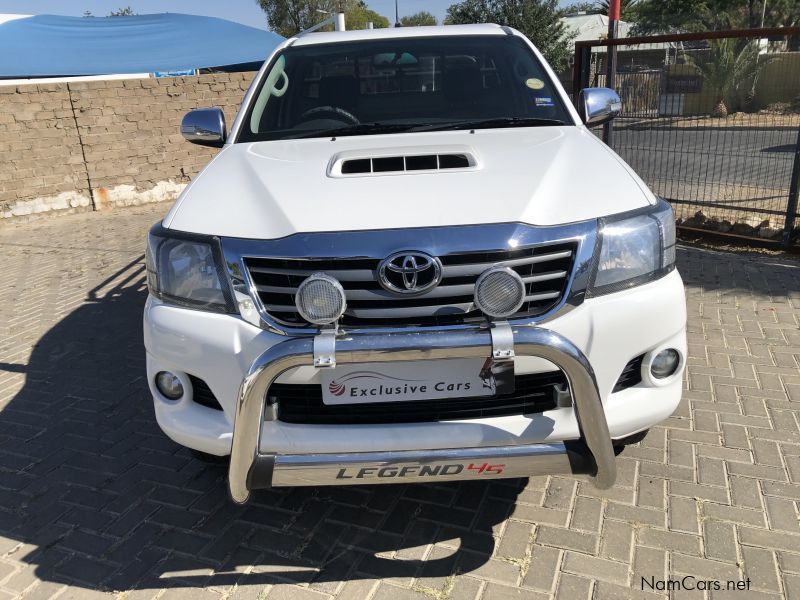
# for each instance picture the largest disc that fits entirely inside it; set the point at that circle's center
(411, 261)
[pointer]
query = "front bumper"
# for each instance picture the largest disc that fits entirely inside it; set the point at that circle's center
(251, 469)
(222, 350)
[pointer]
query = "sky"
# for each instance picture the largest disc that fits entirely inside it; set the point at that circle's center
(242, 11)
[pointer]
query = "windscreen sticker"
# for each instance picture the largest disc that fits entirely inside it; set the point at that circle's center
(534, 84)
(544, 101)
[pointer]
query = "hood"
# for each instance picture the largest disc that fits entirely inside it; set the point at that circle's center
(538, 176)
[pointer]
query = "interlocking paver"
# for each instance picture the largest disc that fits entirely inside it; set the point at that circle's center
(96, 502)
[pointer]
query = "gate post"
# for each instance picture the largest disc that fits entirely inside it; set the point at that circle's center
(581, 69)
(794, 188)
(611, 59)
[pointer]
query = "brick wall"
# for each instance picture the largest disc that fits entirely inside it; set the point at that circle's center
(69, 147)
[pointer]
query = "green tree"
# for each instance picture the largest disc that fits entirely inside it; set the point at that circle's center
(539, 20)
(782, 13)
(358, 14)
(423, 17)
(729, 70)
(661, 16)
(289, 17)
(122, 12)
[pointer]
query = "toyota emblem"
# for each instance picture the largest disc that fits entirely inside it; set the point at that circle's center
(410, 272)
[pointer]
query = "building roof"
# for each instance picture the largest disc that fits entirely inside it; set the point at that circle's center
(588, 27)
(51, 46)
(592, 27)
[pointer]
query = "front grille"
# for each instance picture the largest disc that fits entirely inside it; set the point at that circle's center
(545, 269)
(534, 393)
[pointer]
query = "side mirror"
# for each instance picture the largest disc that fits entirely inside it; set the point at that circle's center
(204, 126)
(598, 105)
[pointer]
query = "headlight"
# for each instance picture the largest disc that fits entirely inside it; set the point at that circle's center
(184, 270)
(635, 249)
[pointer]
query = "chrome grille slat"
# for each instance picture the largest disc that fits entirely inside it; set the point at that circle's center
(340, 274)
(280, 309)
(545, 296)
(545, 277)
(544, 268)
(442, 291)
(411, 311)
(478, 268)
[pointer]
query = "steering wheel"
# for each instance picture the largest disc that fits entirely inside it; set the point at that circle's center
(331, 112)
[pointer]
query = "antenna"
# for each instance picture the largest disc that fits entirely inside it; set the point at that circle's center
(336, 19)
(396, 15)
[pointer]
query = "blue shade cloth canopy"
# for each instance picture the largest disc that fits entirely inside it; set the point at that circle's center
(52, 46)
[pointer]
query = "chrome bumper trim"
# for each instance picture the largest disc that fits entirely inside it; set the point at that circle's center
(249, 469)
(483, 464)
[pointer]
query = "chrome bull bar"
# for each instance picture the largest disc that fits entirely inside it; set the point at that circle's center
(250, 469)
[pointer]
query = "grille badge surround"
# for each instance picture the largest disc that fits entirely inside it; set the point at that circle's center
(409, 273)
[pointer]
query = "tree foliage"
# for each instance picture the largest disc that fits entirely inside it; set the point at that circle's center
(730, 70)
(662, 16)
(627, 8)
(357, 15)
(423, 17)
(289, 17)
(595, 7)
(782, 13)
(122, 12)
(539, 20)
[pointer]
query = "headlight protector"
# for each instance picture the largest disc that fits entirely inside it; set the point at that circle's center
(634, 249)
(186, 270)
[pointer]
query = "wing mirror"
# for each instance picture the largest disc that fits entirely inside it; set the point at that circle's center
(204, 126)
(598, 105)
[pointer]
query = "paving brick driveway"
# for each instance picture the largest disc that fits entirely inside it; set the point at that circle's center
(95, 501)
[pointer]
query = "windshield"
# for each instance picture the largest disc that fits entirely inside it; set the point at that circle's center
(405, 84)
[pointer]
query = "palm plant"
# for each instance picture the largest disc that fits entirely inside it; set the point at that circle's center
(729, 69)
(625, 6)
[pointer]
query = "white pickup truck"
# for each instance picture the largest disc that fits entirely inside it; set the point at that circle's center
(412, 261)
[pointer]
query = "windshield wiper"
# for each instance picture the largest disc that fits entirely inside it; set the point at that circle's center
(490, 124)
(355, 129)
(377, 128)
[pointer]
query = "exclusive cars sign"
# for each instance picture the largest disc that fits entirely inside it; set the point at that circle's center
(404, 381)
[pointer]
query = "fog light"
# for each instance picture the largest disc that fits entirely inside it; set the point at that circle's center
(499, 292)
(320, 299)
(665, 363)
(169, 385)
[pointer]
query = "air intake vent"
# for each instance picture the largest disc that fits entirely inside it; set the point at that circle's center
(403, 164)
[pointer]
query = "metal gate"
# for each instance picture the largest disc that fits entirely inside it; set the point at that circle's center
(711, 121)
